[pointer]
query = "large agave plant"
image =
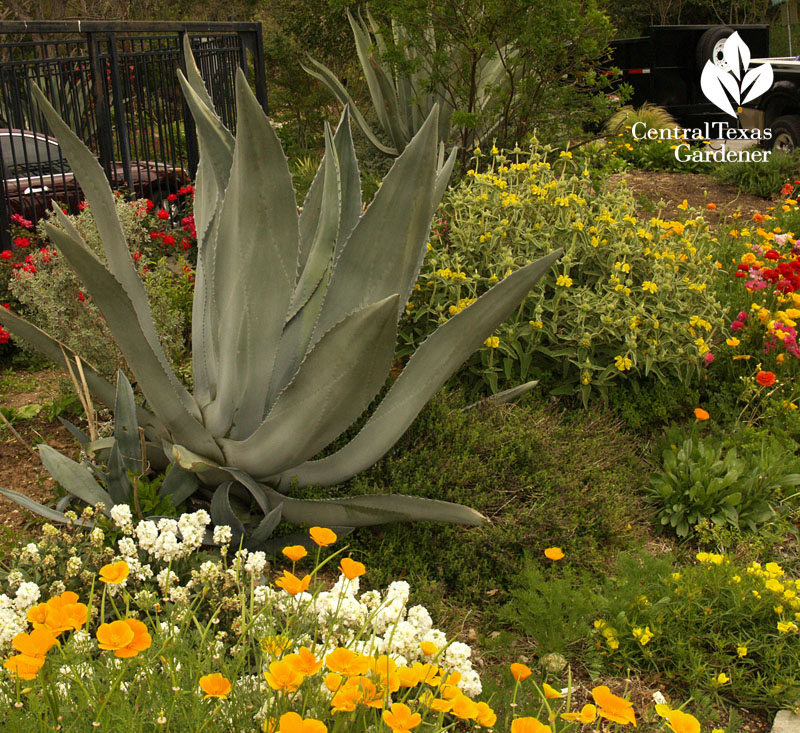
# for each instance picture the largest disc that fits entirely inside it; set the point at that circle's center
(403, 101)
(294, 319)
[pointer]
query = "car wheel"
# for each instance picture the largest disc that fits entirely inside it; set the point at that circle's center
(786, 134)
(711, 45)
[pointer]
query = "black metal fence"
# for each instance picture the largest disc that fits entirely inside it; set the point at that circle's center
(116, 85)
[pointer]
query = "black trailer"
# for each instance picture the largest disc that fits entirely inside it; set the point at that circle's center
(664, 66)
(778, 109)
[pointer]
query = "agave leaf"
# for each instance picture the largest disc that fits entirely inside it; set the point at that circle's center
(264, 530)
(205, 337)
(427, 370)
(327, 232)
(385, 250)
(327, 77)
(397, 129)
(76, 432)
(117, 482)
(179, 484)
(363, 43)
(508, 395)
(34, 506)
(254, 270)
(95, 188)
(161, 389)
(222, 513)
(191, 461)
(193, 75)
(334, 385)
(369, 510)
(126, 428)
(74, 477)
(443, 172)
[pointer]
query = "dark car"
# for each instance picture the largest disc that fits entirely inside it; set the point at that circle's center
(35, 173)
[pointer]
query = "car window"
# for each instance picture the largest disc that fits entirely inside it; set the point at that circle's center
(26, 154)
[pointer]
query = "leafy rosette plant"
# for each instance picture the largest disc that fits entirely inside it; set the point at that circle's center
(294, 319)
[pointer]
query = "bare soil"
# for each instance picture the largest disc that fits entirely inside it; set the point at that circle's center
(667, 190)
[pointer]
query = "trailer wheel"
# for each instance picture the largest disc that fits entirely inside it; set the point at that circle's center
(786, 134)
(711, 45)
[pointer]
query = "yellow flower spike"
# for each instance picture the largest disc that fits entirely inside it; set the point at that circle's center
(215, 685)
(586, 716)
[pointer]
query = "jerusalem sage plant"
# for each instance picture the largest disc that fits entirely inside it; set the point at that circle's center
(294, 318)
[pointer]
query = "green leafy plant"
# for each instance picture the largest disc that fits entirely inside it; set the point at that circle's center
(632, 297)
(403, 98)
(294, 318)
(706, 478)
(718, 630)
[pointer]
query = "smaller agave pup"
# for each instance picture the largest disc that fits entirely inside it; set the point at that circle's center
(293, 328)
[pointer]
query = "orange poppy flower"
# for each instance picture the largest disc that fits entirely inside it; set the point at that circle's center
(554, 553)
(23, 666)
(215, 685)
(292, 584)
(115, 573)
(293, 723)
(351, 569)
(711, 206)
(400, 718)
(295, 552)
(520, 671)
(614, 708)
(529, 725)
(125, 638)
(323, 536)
(701, 414)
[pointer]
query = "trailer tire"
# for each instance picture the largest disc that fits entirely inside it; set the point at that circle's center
(710, 45)
(786, 134)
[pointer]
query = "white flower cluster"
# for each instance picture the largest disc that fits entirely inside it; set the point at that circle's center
(123, 517)
(377, 623)
(171, 540)
(14, 611)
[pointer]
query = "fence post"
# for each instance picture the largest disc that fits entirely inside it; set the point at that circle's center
(119, 111)
(255, 41)
(192, 152)
(101, 107)
(5, 221)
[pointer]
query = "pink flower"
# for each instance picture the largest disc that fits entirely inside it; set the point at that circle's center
(742, 316)
(737, 326)
(708, 358)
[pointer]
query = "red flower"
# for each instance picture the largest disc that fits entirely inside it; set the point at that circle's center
(22, 242)
(81, 296)
(186, 244)
(149, 205)
(766, 379)
(787, 189)
(737, 326)
(5, 336)
(156, 235)
(81, 205)
(6, 306)
(172, 197)
(168, 239)
(22, 221)
(6, 254)
(163, 214)
(30, 268)
(137, 255)
(772, 255)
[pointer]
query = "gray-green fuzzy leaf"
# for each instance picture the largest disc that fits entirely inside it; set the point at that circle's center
(41, 509)
(74, 477)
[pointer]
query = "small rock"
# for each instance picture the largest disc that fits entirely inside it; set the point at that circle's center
(786, 722)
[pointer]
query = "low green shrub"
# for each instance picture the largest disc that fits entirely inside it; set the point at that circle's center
(630, 298)
(765, 179)
(50, 295)
(715, 629)
(542, 475)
